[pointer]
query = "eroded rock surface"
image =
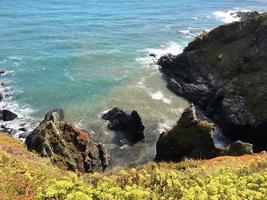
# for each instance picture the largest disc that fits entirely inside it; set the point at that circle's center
(130, 124)
(224, 72)
(190, 138)
(194, 138)
(67, 146)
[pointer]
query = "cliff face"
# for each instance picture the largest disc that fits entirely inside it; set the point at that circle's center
(225, 73)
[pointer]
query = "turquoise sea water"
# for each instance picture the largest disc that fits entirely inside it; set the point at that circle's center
(89, 56)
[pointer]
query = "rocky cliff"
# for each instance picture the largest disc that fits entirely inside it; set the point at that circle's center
(224, 71)
(194, 138)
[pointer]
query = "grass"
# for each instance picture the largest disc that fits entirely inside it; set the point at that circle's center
(24, 175)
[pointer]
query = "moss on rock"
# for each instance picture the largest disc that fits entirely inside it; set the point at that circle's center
(190, 138)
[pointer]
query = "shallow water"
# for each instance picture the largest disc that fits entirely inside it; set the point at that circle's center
(89, 56)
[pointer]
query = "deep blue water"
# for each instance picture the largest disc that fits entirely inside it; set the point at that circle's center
(88, 56)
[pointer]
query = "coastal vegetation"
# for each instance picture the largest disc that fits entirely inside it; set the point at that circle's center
(59, 161)
(24, 175)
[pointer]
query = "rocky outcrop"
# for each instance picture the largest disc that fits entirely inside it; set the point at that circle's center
(224, 72)
(193, 138)
(67, 146)
(7, 115)
(190, 138)
(245, 15)
(130, 124)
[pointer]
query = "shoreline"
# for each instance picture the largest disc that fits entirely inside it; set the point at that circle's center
(20, 124)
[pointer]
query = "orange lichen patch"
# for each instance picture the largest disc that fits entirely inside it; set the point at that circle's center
(84, 136)
(236, 161)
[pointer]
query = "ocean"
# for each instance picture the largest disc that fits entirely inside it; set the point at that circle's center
(90, 56)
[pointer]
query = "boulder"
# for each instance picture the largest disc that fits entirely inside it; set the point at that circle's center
(130, 124)
(190, 138)
(239, 148)
(7, 115)
(1, 96)
(67, 146)
(224, 73)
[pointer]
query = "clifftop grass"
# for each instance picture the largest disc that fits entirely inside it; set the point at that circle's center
(24, 175)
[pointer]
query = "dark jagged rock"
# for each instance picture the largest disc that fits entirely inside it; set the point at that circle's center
(130, 124)
(190, 138)
(23, 129)
(224, 72)
(66, 146)
(246, 15)
(7, 115)
(55, 115)
(1, 96)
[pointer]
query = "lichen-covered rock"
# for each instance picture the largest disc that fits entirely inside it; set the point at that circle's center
(239, 148)
(224, 72)
(190, 138)
(130, 124)
(67, 146)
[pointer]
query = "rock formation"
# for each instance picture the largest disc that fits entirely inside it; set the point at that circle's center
(224, 72)
(67, 146)
(238, 148)
(7, 115)
(130, 124)
(191, 138)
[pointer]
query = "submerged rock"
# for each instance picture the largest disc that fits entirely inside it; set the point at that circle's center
(7, 115)
(67, 146)
(190, 138)
(130, 124)
(224, 72)
(2, 72)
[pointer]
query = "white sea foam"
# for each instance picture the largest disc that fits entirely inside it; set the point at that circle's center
(185, 32)
(228, 16)
(189, 32)
(162, 127)
(24, 119)
(160, 97)
(102, 113)
(169, 48)
(14, 57)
